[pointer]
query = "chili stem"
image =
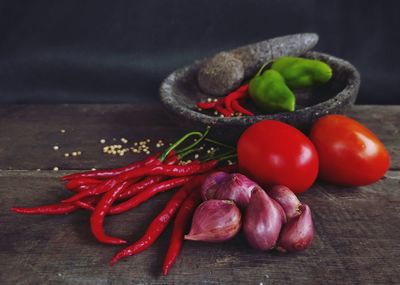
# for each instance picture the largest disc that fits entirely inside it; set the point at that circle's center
(190, 151)
(202, 137)
(177, 143)
(219, 143)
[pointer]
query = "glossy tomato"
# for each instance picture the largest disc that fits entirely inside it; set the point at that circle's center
(349, 153)
(271, 152)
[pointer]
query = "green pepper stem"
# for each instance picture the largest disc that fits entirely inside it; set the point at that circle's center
(261, 69)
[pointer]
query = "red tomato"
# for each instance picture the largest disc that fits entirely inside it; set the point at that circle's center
(349, 153)
(272, 152)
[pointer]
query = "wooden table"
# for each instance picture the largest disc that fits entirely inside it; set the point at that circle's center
(357, 229)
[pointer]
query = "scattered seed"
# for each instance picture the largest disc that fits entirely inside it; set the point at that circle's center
(74, 153)
(56, 147)
(66, 154)
(55, 168)
(102, 141)
(62, 131)
(93, 168)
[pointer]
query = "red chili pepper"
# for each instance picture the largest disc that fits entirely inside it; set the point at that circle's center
(138, 187)
(75, 183)
(52, 209)
(87, 203)
(206, 105)
(219, 107)
(148, 193)
(150, 180)
(104, 174)
(241, 92)
(100, 211)
(243, 89)
(180, 224)
(237, 107)
(97, 190)
(107, 185)
(170, 170)
(82, 188)
(159, 224)
(56, 209)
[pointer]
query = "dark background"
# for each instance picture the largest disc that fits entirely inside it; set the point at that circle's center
(119, 51)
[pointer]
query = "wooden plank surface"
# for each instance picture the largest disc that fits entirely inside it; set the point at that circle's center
(357, 229)
(28, 132)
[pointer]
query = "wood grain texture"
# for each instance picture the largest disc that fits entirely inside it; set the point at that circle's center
(28, 132)
(357, 229)
(356, 242)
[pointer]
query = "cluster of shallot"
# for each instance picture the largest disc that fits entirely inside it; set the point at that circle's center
(275, 219)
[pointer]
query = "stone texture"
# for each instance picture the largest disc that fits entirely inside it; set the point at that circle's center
(179, 92)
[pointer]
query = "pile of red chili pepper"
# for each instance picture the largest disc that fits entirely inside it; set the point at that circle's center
(99, 191)
(229, 105)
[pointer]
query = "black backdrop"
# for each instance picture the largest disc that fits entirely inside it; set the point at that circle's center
(119, 51)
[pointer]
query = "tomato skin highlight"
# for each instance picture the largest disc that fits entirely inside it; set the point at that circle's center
(274, 153)
(349, 153)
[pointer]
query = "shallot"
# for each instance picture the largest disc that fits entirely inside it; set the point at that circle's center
(237, 188)
(215, 221)
(263, 220)
(298, 233)
(287, 199)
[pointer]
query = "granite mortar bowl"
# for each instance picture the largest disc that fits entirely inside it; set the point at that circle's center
(179, 93)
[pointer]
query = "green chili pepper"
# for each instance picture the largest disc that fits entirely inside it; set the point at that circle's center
(270, 93)
(302, 72)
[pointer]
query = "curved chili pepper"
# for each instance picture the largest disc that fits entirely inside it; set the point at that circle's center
(100, 211)
(52, 209)
(219, 107)
(150, 180)
(147, 194)
(180, 224)
(206, 105)
(107, 185)
(107, 173)
(237, 107)
(86, 203)
(56, 209)
(82, 188)
(75, 183)
(97, 190)
(168, 170)
(138, 187)
(159, 224)
(241, 92)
